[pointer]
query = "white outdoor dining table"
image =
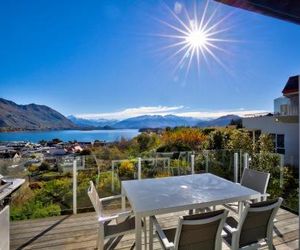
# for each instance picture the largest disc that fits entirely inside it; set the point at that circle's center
(149, 197)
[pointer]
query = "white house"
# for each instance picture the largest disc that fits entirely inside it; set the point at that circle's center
(283, 125)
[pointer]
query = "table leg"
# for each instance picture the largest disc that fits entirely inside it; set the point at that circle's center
(123, 201)
(150, 234)
(138, 232)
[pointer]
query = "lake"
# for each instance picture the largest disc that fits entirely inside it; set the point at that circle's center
(70, 135)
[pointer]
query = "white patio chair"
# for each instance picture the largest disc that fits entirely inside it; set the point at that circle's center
(255, 224)
(255, 180)
(4, 228)
(194, 232)
(124, 221)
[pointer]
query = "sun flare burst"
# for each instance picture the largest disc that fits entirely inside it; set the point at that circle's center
(195, 38)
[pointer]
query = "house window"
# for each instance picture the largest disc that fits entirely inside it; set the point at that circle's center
(280, 141)
(280, 151)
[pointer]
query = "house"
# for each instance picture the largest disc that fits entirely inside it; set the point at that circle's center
(283, 124)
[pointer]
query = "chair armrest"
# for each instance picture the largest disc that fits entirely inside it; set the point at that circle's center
(110, 198)
(126, 213)
(263, 197)
(167, 244)
(249, 202)
(108, 218)
(119, 216)
(123, 216)
(230, 229)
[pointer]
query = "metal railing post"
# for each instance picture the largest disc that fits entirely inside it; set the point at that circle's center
(246, 160)
(193, 163)
(139, 168)
(281, 170)
(236, 167)
(112, 176)
(74, 186)
(206, 161)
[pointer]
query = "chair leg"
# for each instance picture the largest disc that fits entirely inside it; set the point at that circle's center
(100, 239)
(270, 240)
(270, 245)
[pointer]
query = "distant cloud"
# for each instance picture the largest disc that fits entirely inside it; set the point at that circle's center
(133, 112)
(166, 110)
(215, 114)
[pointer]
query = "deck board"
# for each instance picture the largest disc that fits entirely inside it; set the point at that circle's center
(75, 232)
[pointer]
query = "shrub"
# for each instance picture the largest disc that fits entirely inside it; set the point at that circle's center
(34, 209)
(126, 170)
(45, 166)
(191, 138)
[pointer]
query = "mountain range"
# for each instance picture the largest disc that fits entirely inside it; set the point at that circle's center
(41, 117)
(31, 117)
(154, 121)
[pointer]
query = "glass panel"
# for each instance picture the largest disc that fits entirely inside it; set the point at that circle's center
(47, 190)
(284, 178)
(217, 162)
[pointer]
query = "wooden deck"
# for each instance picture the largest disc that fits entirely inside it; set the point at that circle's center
(80, 232)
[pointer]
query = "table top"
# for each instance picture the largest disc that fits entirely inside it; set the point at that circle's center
(163, 195)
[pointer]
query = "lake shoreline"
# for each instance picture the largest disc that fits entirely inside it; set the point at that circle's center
(69, 135)
(57, 129)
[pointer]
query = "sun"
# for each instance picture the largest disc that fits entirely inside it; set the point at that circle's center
(195, 37)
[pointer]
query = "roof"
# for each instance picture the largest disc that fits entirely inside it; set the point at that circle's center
(288, 10)
(292, 85)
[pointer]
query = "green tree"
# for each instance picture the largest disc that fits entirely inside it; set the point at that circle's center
(265, 143)
(147, 141)
(239, 139)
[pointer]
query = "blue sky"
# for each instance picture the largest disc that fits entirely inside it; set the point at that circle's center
(105, 59)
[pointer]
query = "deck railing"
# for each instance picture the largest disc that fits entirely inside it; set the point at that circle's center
(58, 185)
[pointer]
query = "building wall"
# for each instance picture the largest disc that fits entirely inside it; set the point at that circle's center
(268, 124)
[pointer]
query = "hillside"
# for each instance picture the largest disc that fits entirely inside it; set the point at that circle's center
(31, 117)
(222, 121)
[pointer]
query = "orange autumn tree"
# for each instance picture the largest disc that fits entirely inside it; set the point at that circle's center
(182, 139)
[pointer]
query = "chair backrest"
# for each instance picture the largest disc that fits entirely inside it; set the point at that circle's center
(4, 228)
(200, 231)
(255, 180)
(92, 193)
(256, 222)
